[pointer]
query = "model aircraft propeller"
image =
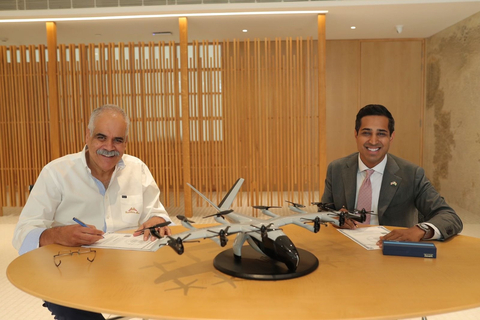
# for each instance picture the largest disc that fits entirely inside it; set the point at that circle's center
(360, 214)
(153, 229)
(219, 214)
(177, 243)
(264, 229)
(363, 211)
(222, 235)
(324, 206)
(357, 215)
(296, 205)
(265, 207)
(342, 215)
(184, 219)
(316, 223)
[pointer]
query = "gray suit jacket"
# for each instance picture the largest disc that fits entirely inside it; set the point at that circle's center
(405, 191)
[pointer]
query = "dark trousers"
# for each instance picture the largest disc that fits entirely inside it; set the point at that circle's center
(66, 313)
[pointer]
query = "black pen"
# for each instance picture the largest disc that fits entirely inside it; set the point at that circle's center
(80, 222)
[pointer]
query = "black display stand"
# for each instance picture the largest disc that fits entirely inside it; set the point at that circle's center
(256, 266)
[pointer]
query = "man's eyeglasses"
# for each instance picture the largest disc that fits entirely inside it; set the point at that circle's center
(91, 254)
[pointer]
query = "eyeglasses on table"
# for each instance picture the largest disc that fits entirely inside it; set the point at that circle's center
(91, 254)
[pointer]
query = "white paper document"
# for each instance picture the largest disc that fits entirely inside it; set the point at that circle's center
(366, 237)
(125, 241)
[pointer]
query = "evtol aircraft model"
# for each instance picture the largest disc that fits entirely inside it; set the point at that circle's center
(263, 235)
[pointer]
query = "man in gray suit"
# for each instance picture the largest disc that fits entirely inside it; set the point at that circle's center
(400, 190)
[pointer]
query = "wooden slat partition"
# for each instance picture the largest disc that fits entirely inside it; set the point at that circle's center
(270, 119)
(253, 113)
(24, 125)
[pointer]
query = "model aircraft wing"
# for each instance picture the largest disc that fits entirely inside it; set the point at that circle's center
(304, 219)
(203, 233)
(216, 233)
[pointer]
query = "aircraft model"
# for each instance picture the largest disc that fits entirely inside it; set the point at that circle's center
(263, 235)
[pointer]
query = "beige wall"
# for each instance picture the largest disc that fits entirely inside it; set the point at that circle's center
(452, 113)
(387, 72)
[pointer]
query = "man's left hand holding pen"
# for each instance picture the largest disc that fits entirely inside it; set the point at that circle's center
(74, 235)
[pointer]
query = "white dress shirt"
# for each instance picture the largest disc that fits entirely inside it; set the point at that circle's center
(66, 188)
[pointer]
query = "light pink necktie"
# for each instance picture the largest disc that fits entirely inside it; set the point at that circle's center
(365, 195)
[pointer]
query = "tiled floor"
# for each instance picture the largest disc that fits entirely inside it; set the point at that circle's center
(16, 305)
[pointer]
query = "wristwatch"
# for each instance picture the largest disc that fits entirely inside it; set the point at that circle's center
(424, 227)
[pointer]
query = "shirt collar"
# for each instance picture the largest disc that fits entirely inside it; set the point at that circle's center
(380, 168)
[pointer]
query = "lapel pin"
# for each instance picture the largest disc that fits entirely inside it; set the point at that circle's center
(393, 183)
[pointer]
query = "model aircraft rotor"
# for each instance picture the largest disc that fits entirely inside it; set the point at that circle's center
(359, 215)
(317, 222)
(219, 213)
(177, 243)
(342, 216)
(324, 206)
(184, 219)
(296, 205)
(264, 229)
(153, 229)
(265, 207)
(363, 211)
(222, 235)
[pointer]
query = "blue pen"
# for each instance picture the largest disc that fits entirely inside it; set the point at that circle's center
(80, 222)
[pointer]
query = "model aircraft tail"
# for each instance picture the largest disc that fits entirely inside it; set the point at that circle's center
(231, 194)
(227, 200)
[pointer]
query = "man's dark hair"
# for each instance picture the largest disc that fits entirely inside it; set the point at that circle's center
(375, 110)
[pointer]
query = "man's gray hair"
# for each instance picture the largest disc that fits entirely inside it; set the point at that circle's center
(104, 108)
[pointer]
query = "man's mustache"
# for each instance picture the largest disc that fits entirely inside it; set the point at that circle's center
(107, 153)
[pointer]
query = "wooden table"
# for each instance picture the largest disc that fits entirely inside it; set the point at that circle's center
(350, 282)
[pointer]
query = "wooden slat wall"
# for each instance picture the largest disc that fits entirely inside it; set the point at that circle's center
(24, 121)
(253, 113)
(270, 121)
(141, 78)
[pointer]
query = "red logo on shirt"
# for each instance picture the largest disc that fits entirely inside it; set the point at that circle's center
(132, 210)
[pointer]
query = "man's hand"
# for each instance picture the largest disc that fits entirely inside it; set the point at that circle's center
(150, 223)
(71, 236)
(413, 234)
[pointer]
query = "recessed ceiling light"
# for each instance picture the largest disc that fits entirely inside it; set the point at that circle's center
(353, 27)
(244, 30)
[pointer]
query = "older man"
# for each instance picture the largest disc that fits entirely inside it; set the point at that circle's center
(101, 186)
